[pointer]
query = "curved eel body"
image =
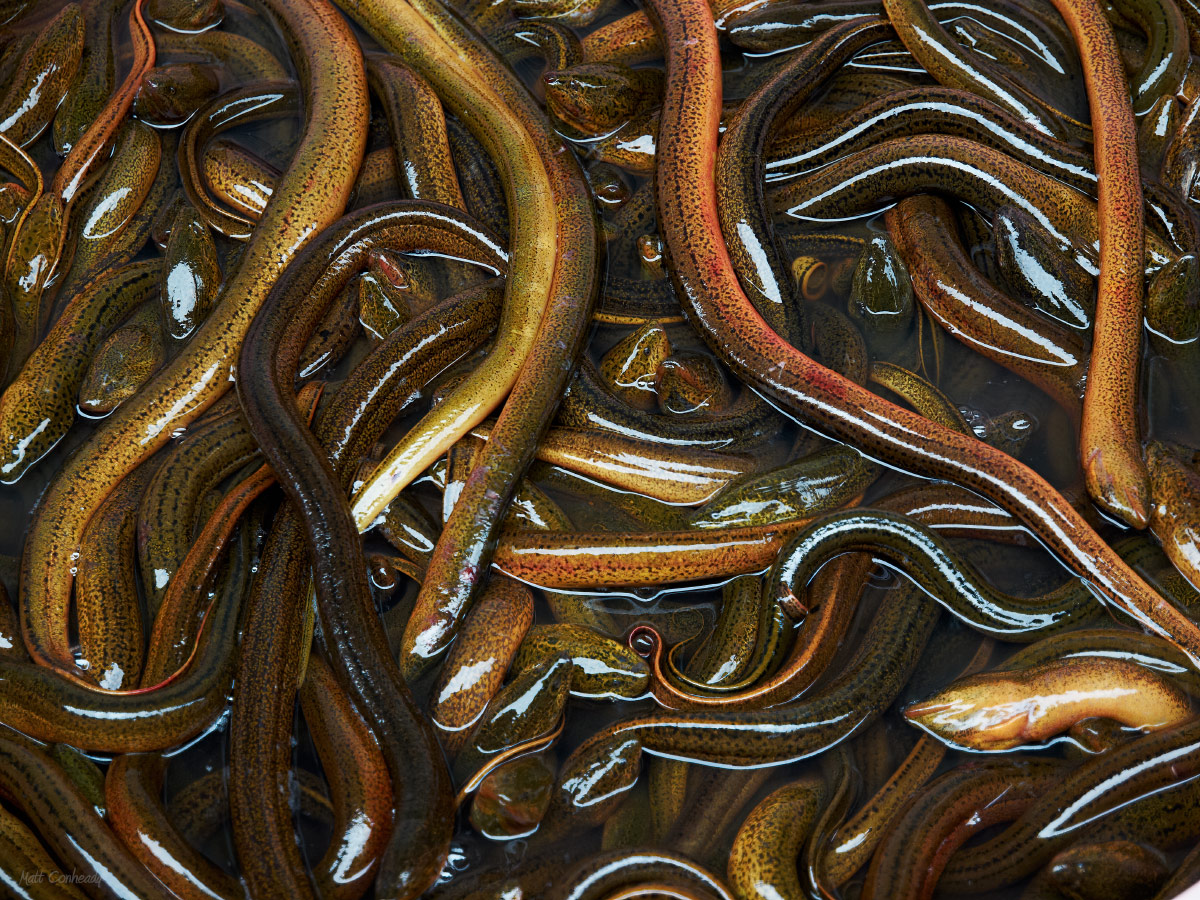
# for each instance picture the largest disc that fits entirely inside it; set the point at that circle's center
(311, 194)
(705, 280)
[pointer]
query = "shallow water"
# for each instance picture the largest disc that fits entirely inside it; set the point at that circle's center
(979, 388)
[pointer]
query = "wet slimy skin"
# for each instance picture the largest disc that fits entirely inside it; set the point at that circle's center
(600, 666)
(688, 478)
(123, 363)
(186, 691)
(833, 593)
(45, 73)
(747, 422)
(595, 98)
(39, 406)
(554, 44)
(169, 95)
(1000, 711)
(920, 394)
(932, 109)
(574, 560)
(545, 336)
(109, 208)
(87, 95)
(1102, 869)
(707, 283)
(211, 452)
(38, 245)
(312, 193)
(358, 784)
(241, 57)
(264, 701)
(24, 856)
(1164, 67)
(973, 310)
(418, 127)
(630, 368)
(134, 783)
(64, 817)
(954, 65)
(382, 385)
(1031, 264)
(1143, 788)
(814, 484)
(973, 172)
(921, 553)
(855, 841)
(1174, 489)
(751, 245)
(762, 863)
(568, 12)
(692, 538)
(106, 599)
(945, 814)
(608, 763)
(630, 39)
(241, 106)
(1109, 441)
(634, 873)
(273, 347)
(478, 661)
(191, 274)
(531, 204)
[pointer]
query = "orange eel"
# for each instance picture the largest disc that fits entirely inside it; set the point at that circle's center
(311, 195)
(1109, 442)
(708, 287)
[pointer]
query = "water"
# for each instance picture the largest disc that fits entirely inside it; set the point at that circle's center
(980, 389)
